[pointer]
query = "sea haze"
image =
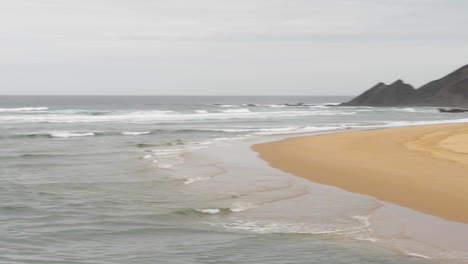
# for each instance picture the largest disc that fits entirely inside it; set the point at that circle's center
(129, 179)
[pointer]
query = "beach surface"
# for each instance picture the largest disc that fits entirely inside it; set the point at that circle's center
(424, 168)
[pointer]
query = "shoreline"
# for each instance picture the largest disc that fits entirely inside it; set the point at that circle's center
(423, 168)
(262, 199)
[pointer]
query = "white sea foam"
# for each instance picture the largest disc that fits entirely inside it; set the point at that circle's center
(201, 111)
(196, 179)
(240, 207)
(136, 133)
(365, 237)
(65, 134)
(231, 138)
(243, 110)
(23, 109)
(363, 218)
(163, 116)
(225, 105)
(209, 211)
(170, 157)
(414, 123)
(167, 162)
(288, 130)
(412, 110)
(266, 227)
(411, 254)
(275, 130)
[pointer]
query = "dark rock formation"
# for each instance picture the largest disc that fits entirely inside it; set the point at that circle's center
(385, 95)
(453, 110)
(451, 90)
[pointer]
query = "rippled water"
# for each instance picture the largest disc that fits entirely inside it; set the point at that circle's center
(171, 180)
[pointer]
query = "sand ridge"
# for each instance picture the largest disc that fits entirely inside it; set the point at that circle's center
(424, 167)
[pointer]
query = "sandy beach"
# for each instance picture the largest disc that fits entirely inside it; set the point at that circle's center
(424, 168)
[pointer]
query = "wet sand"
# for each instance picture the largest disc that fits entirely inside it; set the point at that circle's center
(424, 168)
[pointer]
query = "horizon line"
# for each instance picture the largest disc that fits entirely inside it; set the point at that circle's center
(168, 95)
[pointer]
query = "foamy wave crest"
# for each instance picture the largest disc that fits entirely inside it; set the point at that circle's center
(416, 110)
(275, 130)
(266, 227)
(57, 134)
(80, 112)
(243, 110)
(168, 158)
(23, 109)
(196, 179)
(411, 254)
(287, 130)
(64, 134)
(412, 110)
(416, 123)
(365, 219)
(240, 207)
(162, 116)
(135, 133)
(208, 211)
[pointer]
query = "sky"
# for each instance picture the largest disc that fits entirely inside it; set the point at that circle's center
(221, 47)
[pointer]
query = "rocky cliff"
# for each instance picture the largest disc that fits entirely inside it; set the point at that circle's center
(451, 90)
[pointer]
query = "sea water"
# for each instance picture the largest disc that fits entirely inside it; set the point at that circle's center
(100, 179)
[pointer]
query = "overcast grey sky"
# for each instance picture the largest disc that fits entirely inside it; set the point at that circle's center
(221, 47)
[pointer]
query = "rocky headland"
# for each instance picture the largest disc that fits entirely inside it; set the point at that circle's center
(451, 90)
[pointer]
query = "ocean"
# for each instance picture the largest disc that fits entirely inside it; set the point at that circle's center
(167, 179)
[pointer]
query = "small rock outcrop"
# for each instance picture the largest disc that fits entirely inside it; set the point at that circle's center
(451, 90)
(453, 110)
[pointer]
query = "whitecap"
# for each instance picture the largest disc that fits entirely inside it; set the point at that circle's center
(64, 134)
(411, 254)
(243, 110)
(136, 133)
(162, 116)
(208, 211)
(23, 109)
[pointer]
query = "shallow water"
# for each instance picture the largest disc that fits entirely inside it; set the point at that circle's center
(149, 180)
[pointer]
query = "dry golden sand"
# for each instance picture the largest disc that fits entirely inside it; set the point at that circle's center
(424, 168)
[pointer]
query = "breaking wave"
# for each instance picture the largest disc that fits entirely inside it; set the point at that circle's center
(23, 109)
(161, 116)
(136, 133)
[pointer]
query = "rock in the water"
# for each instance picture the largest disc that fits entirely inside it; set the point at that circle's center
(453, 110)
